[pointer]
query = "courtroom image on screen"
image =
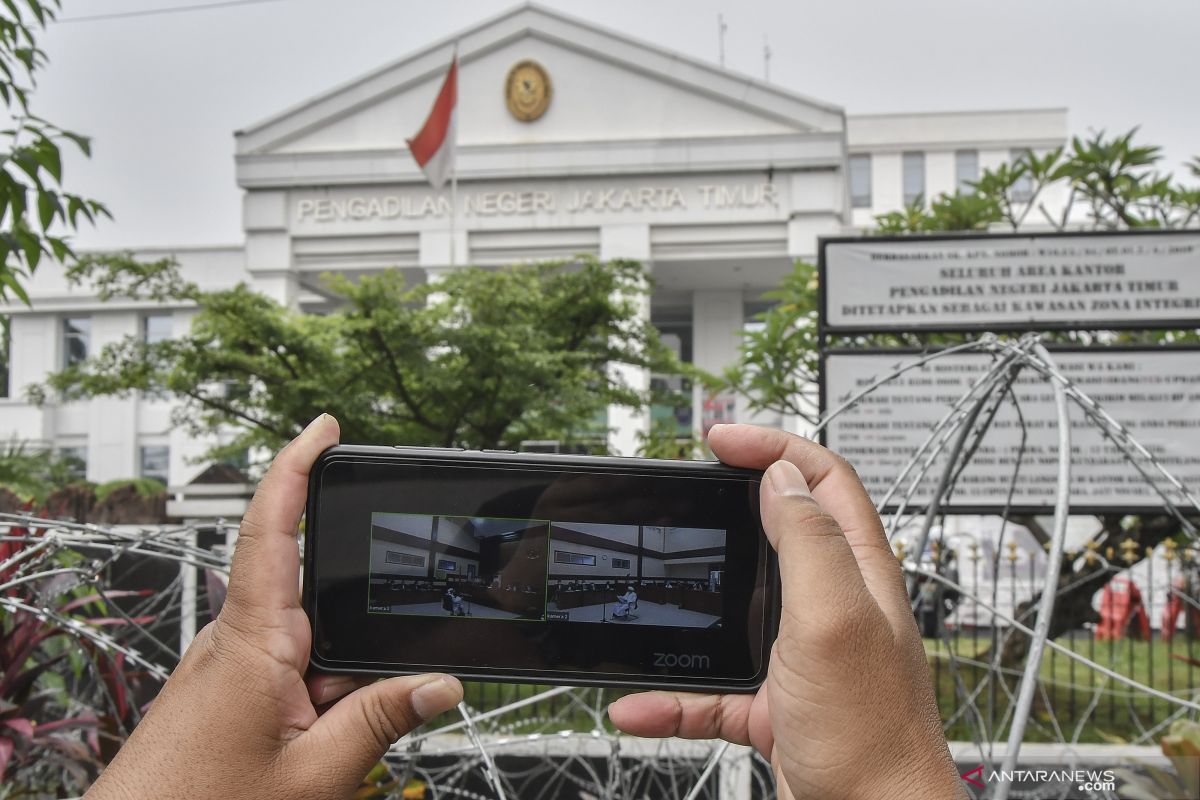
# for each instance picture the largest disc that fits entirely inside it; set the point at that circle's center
(635, 575)
(458, 567)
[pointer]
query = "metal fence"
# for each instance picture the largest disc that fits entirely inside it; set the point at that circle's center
(1141, 622)
(1124, 676)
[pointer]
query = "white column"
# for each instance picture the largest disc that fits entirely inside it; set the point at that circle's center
(630, 241)
(434, 249)
(269, 246)
(268, 260)
(818, 206)
(33, 353)
(940, 173)
(805, 232)
(992, 159)
(887, 183)
(188, 584)
(112, 429)
(186, 450)
(717, 319)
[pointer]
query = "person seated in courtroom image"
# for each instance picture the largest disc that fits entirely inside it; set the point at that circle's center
(474, 566)
(625, 604)
(454, 603)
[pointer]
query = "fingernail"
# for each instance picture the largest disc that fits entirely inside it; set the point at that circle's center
(787, 480)
(319, 418)
(440, 694)
(335, 688)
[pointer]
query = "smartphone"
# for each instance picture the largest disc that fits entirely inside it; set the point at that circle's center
(534, 568)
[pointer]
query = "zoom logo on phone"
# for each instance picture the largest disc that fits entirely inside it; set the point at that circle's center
(684, 661)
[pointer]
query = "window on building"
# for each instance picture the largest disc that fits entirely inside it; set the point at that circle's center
(860, 181)
(620, 563)
(77, 331)
(966, 170)
(407, 559)
(74, 459)
(239, 460)
(447, 565)
(156, 327)
(1022, 190)
(579, 559)
(914, 177)
(155, 462)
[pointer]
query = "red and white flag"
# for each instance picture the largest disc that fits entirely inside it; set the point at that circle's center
(433, 146)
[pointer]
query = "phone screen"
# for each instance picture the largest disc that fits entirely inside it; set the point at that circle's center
(546, 570)
(427, 562)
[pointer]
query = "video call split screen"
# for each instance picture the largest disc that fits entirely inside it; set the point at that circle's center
(546, 571)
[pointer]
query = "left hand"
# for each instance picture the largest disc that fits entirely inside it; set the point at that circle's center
(238, 717)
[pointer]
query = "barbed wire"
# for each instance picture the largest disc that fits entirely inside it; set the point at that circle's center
(557, 740)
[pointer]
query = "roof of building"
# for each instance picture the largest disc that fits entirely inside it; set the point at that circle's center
(687, 74)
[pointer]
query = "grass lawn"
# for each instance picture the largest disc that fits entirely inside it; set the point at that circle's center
(1069, 691)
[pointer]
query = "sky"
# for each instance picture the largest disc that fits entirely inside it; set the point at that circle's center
(161, 95)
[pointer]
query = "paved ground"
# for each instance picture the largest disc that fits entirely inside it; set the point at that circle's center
(647, 614)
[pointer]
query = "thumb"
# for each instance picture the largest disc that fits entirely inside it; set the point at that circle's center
(816, 563)
(350, 738)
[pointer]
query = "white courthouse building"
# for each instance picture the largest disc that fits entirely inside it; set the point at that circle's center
(600, 143)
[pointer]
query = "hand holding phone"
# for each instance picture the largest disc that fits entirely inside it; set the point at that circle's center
(848, 708)
(535, 568)
(239, 717)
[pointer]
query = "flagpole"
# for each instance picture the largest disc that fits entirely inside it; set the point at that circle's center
(453, 216)
(454, 173)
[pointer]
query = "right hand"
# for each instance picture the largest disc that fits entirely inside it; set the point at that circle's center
(847, 709)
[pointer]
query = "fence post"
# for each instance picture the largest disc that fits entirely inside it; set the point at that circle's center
(187, 599)
(736, 776)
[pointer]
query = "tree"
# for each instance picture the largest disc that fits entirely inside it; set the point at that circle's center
(961, 211)
(1117, 182)
(33, 475)
(485, 358)
(35, 211)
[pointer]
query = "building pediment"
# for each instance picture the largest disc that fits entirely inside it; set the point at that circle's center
(607, 89)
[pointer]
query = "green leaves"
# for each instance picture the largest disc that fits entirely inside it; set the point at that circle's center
(1112, 176)
(35, 474)
(949, 212)
(484, 358)
(1118, 181)
(778, 366)
(31, 158)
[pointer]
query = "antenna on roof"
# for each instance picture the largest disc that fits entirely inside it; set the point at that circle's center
(766, 60)
(721, 28)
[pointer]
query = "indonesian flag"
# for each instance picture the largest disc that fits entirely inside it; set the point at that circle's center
(433, 146)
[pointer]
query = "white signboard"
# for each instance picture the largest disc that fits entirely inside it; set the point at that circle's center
(582, 201)
(991, 282)
(1154, 394)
